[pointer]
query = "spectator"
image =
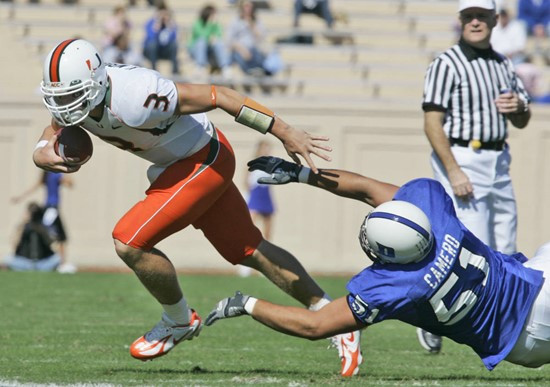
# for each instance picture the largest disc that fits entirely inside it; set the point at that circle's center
(509, 38)
(52, 182)
(246, 36)
(317, 7)
(206, 46)
(115, 25)
(161, 38)
(536, 16)
(122, 52)
(532, 77)
(259, 202)
(470, 94)
(33, 250)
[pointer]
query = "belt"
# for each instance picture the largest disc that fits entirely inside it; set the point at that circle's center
(476, 144)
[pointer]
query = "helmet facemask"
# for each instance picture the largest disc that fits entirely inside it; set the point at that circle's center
(365, 245)
(66, 110)
(79, 82)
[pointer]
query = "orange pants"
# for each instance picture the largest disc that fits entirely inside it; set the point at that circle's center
(197, 190)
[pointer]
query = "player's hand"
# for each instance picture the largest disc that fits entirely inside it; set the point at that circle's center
(47, 159)
(300, 143)
(462, 187)
(227, 308)
(281, 171)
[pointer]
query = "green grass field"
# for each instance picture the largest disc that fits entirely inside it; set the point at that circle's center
(76, 329)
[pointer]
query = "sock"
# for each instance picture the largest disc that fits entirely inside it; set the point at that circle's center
(319, 304)
(179, 312)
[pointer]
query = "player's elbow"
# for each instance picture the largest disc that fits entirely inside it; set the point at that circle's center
(315, 329)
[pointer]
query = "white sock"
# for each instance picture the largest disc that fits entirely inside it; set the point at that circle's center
(179, 312)
(319, 304)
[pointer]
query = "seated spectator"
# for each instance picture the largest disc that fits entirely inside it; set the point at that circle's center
(33, 250)
(161, 38)
(531, 77)
(246, 36)
(316, 7)
(509, 38)
(536, 15)
(205, 44)
(115, 25)
(122, 52)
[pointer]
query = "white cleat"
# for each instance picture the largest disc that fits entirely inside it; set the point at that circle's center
(349, 350)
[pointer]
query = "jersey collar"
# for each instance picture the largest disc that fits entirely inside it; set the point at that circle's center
(473, 53)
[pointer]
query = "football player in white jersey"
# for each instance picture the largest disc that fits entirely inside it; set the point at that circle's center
(139, 111)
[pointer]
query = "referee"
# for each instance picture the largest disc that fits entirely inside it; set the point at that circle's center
(470, 92)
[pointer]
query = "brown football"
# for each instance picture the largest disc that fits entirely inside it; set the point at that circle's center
(73, 142)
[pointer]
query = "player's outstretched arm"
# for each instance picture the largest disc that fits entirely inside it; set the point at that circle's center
(342, 183)
(44, 155)
(334, 318)
(202, 98)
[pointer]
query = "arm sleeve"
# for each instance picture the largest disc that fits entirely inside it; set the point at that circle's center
(438, 86)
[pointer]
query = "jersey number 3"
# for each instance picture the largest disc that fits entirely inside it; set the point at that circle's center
(453, 313)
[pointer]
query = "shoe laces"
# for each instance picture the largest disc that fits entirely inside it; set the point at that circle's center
(159, 331)
(335, 342)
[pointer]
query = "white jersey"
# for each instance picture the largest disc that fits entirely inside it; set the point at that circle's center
(139, 117)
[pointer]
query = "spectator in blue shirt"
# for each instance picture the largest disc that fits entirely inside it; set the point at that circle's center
(161, 38)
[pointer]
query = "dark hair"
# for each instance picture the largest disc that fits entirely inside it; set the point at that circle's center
(36, 212)
(206, 12)
(241, 9)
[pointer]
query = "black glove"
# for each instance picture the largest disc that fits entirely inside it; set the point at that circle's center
(228, 307)
(282, 172)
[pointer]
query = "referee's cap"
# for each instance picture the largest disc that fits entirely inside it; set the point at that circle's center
(485, 4)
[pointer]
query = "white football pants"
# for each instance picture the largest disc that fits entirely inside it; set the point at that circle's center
(532, 348)
(491, 215)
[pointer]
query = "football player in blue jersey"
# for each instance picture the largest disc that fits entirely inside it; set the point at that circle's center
(428, 270)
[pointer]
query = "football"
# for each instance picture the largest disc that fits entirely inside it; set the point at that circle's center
(73, 142)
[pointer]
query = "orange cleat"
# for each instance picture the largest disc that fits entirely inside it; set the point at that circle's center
(349, 350)
(164, 336)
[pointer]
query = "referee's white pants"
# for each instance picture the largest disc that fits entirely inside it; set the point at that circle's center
(491, 215)
(532, 348)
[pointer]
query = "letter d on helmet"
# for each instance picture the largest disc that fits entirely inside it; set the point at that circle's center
(74, 81)
(396, 232)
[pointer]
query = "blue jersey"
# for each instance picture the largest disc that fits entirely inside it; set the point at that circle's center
(52, 180)
(463, 289)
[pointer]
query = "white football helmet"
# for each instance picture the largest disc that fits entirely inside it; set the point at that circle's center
(74, 81)
(396, 232)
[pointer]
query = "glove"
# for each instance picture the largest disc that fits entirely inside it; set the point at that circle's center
(227, 308)
(282, 172)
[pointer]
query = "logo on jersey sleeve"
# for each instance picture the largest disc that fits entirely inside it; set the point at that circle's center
(361, 309)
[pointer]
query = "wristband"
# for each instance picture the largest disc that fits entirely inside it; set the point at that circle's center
(41, 144)
(255, 116)
(249, 305)
(303, 175)
(213, 96)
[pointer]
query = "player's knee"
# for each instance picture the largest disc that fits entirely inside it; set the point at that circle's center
(128, 254)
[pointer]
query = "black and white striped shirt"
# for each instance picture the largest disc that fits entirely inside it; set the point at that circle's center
(464, 82)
